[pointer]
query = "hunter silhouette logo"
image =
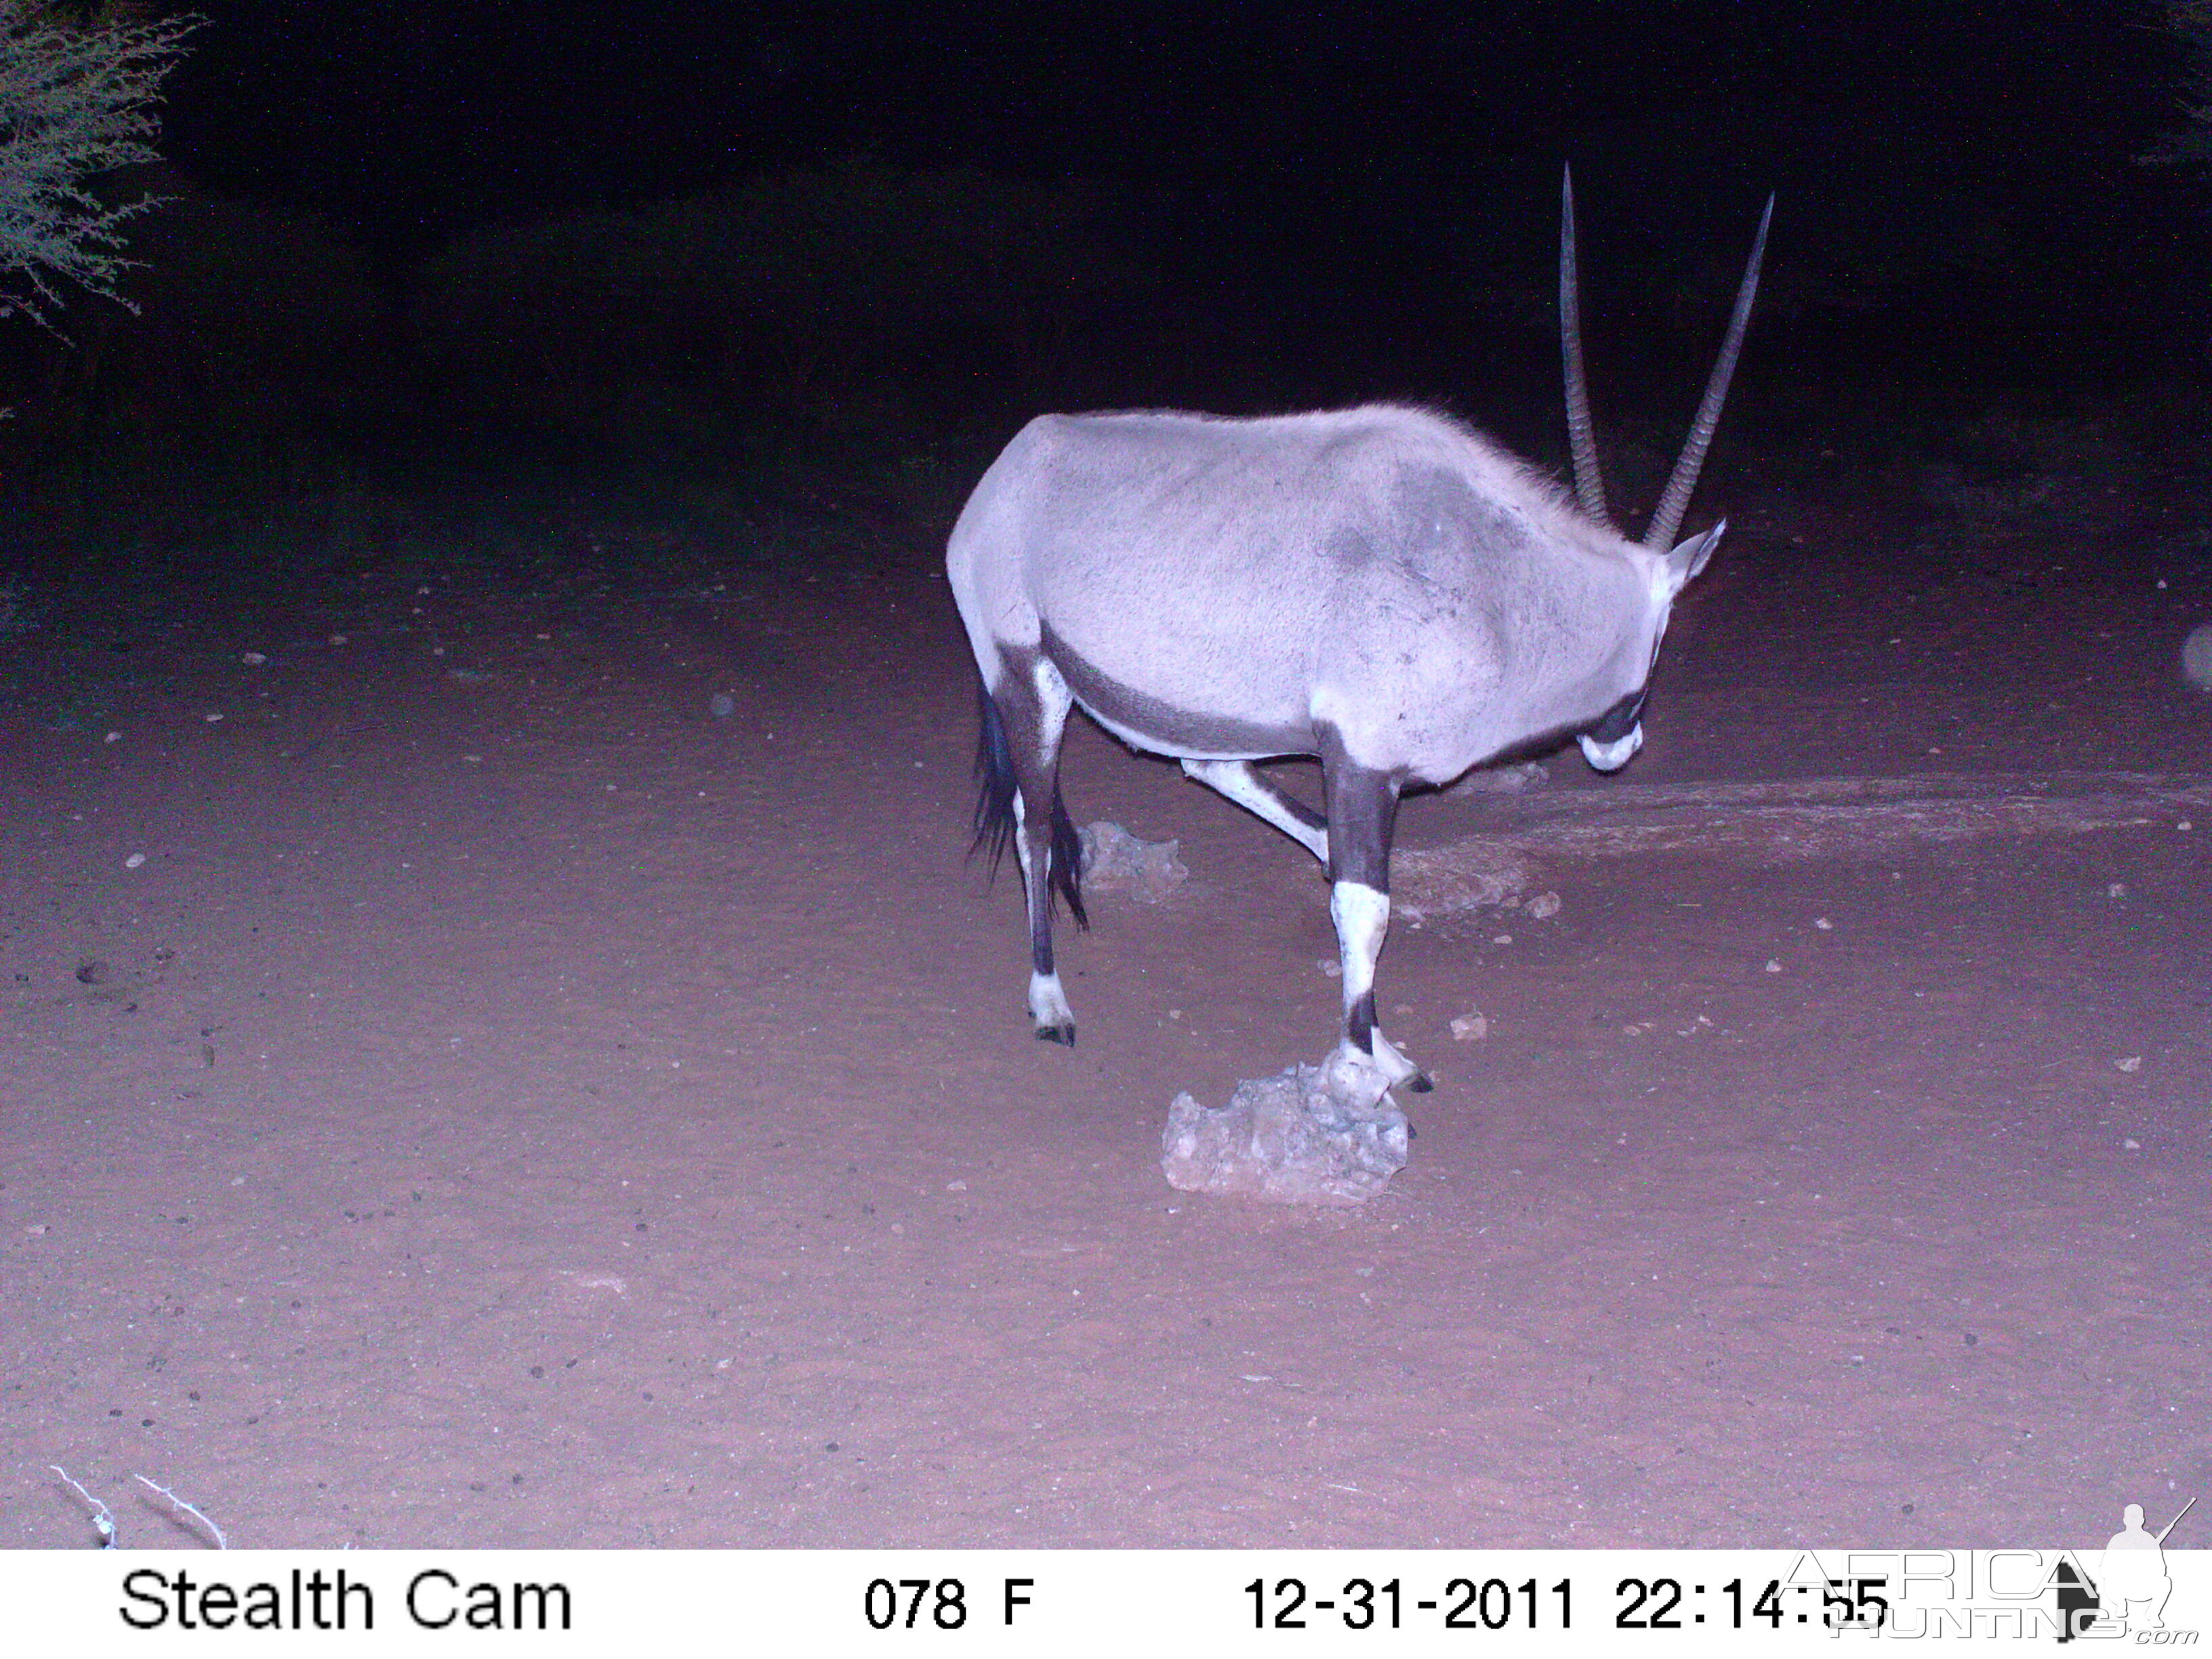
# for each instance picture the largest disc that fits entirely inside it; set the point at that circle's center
(2131, 1584)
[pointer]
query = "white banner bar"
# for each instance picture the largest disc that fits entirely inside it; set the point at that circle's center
(62, 1605)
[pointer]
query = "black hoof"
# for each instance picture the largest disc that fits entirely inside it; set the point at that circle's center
(1420, 1083)
(1064, 1034)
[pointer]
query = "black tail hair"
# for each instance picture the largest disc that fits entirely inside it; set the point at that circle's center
(1067, 859)
(994, 782)
(994, 810)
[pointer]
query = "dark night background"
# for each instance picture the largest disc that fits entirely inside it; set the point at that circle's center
(665, 235)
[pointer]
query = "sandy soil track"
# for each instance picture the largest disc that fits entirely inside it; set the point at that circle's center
(510, 1105)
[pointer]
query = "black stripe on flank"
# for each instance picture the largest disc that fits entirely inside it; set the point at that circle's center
(1175, 731)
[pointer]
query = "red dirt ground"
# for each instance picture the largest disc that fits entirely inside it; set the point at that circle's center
(527, 1109)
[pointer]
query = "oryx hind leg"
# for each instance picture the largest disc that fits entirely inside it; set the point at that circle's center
(1032, 703)
(1363, 808)
(1260, 796)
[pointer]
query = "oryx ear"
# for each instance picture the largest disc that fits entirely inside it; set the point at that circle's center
(1689, 558)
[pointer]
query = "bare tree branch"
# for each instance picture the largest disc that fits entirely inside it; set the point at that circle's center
(76, 102)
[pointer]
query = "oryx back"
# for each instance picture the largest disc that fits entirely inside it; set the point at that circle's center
(1213, 588)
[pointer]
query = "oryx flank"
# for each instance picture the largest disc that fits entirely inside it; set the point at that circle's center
(1379, 587)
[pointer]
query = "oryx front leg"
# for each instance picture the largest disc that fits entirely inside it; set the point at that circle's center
(1258, 796)
(1362, 807)
(1362, 916)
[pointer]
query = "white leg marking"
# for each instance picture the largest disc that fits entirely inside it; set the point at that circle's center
(1612, 756)
(1362, 916)
(1354, 1073)
(1234, 779)
(1021, 846)
(1054, 699)
(1048, 1009)
(1392, 1061)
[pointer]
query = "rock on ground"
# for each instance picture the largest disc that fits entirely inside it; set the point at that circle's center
(1466, 876)
(1297, 1138)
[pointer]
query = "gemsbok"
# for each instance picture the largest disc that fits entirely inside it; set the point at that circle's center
(1380, 587)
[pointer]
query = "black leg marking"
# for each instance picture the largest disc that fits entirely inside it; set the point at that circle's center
(1264, 800)
(1289, 803)
(1362, 816)
(1041, 944)
(1359, 1024)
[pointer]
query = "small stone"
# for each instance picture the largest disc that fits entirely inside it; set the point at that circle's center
(134, 861)
(2196, 657)
(2132, 1063)
(2131, 1144)
(254, 658)
(212, 719)
(1501, 779)
(1773, 966)
(1823, 924)
(721, 705)
(113, 737)
(955, 1186)
(1544, 906)
(2116, 890)
(1470, 1028)
(338, 639)
(1115, 861)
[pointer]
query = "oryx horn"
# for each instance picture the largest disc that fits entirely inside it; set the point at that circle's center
(1667, 517)
(1582, 439)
